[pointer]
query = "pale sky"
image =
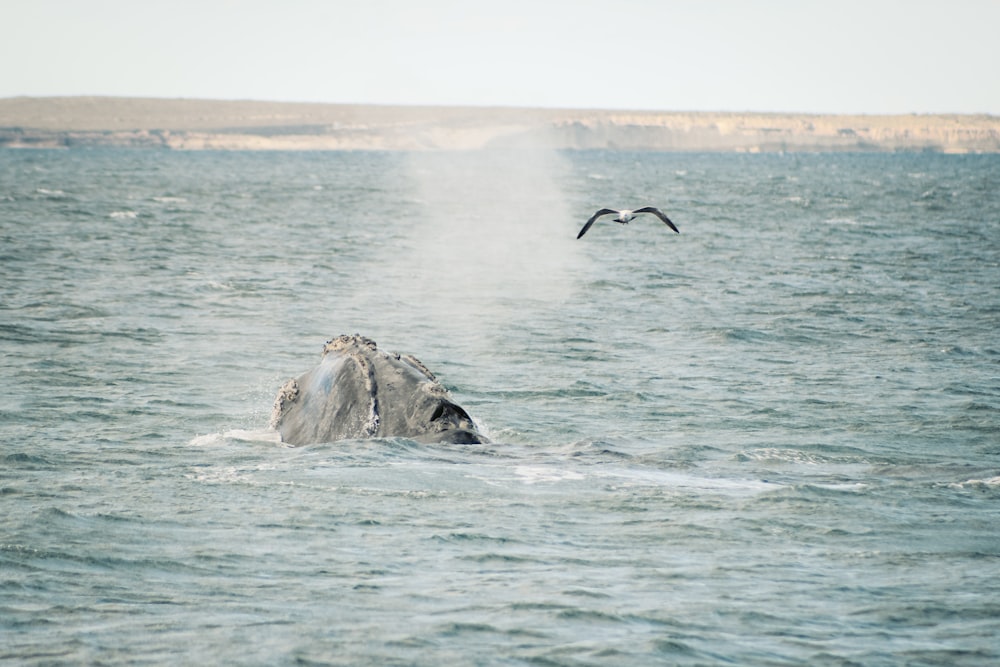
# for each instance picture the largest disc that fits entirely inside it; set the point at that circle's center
(835, 56)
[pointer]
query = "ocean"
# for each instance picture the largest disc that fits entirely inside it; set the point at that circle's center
(771, 439)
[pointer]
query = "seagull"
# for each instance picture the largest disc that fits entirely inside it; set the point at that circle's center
(624, 217)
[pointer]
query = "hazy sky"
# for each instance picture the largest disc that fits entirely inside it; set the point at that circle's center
(831, 56)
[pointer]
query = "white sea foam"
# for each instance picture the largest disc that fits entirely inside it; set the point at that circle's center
(235, 435)
(989, 482)
(683, 481)
(536, 474)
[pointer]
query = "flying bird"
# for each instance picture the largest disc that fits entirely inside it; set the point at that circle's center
(624, 217)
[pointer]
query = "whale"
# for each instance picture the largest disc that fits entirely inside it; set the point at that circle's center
(360, 391)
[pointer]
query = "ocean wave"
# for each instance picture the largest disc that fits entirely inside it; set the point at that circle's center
(991, 484)
(797, 456)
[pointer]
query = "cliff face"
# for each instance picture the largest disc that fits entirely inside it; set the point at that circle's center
(236, 125)
(779, 132)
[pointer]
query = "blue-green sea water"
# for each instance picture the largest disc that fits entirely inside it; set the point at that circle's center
(771, 439)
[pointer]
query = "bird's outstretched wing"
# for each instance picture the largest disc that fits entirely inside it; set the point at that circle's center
(659, 214)
(603, 211)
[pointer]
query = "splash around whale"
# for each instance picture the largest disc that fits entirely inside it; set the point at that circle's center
(360, 391)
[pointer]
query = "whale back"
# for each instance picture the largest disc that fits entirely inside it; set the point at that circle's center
(360, 391)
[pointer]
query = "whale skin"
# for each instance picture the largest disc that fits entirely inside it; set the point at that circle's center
(360, 391)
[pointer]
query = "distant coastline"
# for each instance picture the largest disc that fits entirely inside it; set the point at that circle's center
(184, 124)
